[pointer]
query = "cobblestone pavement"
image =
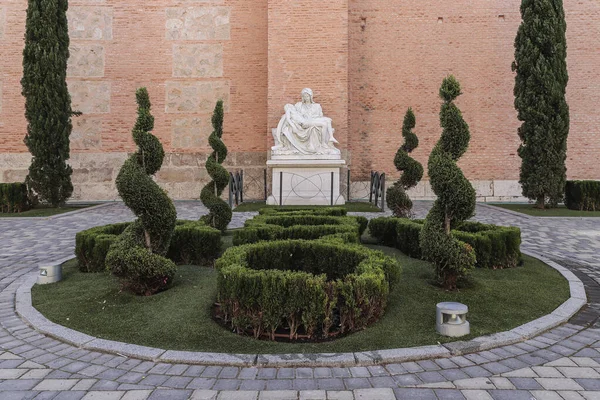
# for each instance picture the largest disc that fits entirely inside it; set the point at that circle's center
(563, 363)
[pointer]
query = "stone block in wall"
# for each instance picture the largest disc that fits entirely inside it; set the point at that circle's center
(15, 160)
(97, 160)
(86, 60)
(90, 97)
(505, 188)
(95, 191)
(193, 132)
(483, 188)
(185, 159)
(2, 21)
(87, 133)
(14, 175)
(89, 22)
(251, 158)
(198, 23)
(181, 174)
(198, 60)
(196, 97)
(0, 99)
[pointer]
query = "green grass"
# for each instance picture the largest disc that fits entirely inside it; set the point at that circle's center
(351, 207)
(561, 211)
(46, 211)
(180, 318)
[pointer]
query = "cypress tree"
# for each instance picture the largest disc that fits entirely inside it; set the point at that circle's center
(396, 197)
(47, 101)
(540, 84)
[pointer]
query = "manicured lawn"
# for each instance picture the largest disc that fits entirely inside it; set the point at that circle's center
(561, 211)
(180, 317)
(46, 211)
(351, 207)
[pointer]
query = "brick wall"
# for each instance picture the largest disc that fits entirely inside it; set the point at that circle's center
(366, 61)
(401, 50)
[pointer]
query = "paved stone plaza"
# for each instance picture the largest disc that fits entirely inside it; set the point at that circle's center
(563, 363)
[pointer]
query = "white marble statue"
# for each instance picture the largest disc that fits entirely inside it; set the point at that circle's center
(303, 130)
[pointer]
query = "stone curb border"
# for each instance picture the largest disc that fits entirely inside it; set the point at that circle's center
(526, 216)
(524, 332)
(61, 215)
(511, 212)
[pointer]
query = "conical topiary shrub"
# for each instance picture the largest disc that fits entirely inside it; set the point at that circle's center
(137, 257)
(397, 199)
(455, 195)
(219, 214)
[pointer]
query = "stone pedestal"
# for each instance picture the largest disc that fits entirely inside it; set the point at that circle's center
(305, 182)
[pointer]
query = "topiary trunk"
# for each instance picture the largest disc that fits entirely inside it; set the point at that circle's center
(455, 195)
(397, 199)
(138, 254)
(219, 214)
(47, 101)
(540, 84)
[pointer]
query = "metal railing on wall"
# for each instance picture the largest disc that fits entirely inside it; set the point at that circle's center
(372, 190)
(236, 188)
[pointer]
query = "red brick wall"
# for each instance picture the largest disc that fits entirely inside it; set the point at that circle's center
(308, 47)
(139, 54)
(366, 61)
(401, 50)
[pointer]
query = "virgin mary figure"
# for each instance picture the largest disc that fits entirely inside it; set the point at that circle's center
(303, 129)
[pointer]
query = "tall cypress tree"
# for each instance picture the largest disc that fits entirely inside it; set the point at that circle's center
(540, 84)
(47, 101)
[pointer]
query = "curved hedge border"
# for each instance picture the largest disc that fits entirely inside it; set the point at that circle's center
(495, 246)
(192, 243)
(583, 195)
(324, 282)
(332, 211)
(296, 225)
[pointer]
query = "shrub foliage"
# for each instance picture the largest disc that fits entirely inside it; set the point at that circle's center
(540, 84)
(220, 213)
(308, 286)
(47, 100)
(137, 256)
(583, 195)
(294, 225)
(13, 197)
(455, 196)
(192, 243)
(495, 246)
(397, 199)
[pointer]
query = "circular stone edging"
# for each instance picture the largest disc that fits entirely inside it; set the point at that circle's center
(560, 315)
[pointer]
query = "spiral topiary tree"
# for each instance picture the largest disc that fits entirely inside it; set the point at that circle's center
(455, 196)
(397, 199)
(138, 255)
(219, 214)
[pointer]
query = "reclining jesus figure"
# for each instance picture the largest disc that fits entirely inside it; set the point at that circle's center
(303, 128)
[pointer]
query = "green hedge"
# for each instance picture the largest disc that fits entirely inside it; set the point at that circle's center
(583, 195)
(303, 285)
(13, 197)
(279, 226)
(332, 211)
(495, 246)
(192, 243)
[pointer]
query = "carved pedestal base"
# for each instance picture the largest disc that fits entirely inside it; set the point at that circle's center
(306, 182)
